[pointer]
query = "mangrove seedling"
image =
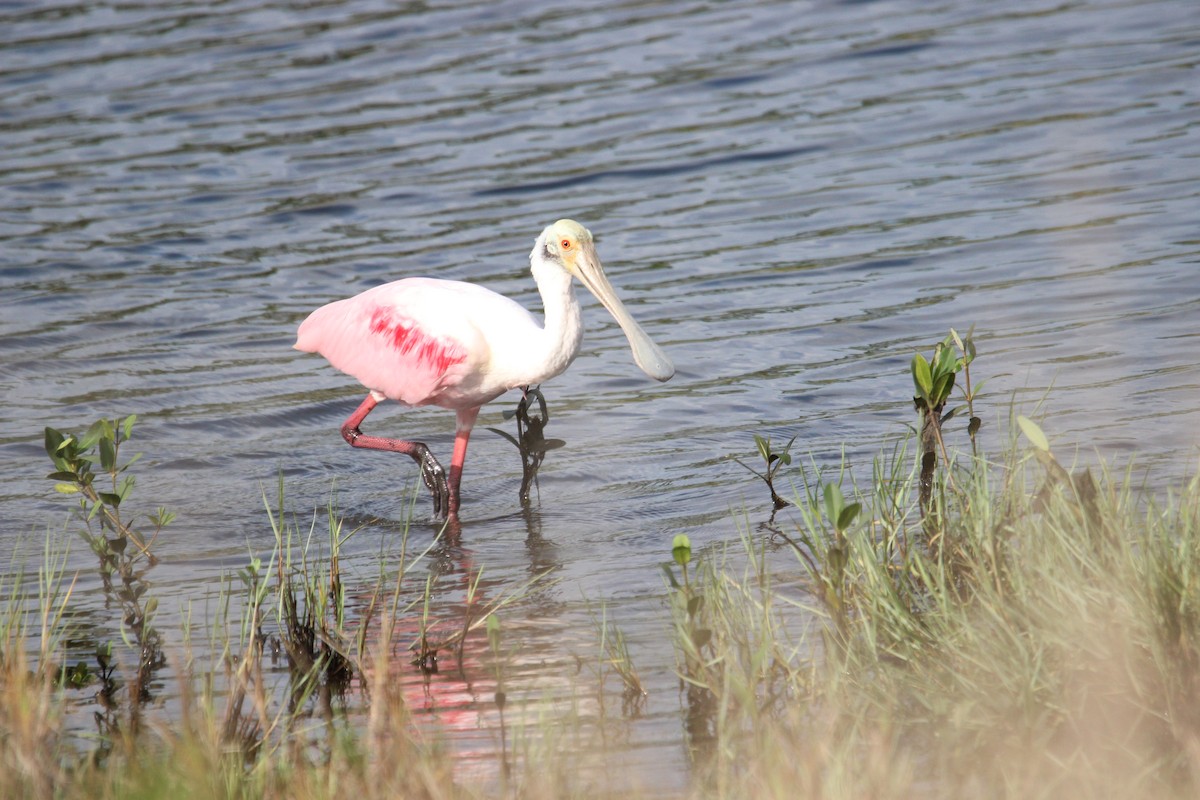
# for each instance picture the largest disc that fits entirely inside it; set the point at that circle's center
(934, 380)
(689, 596)
(75, 461)
(773, 462)
(79, 461)
(692, 636)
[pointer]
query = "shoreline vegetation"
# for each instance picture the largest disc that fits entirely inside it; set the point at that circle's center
(967, 627)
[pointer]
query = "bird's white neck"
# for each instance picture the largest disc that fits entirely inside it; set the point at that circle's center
(563, 329)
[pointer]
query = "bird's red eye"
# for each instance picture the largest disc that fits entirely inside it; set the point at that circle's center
(566, 244)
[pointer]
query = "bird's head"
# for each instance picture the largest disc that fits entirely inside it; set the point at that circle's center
(569, 245)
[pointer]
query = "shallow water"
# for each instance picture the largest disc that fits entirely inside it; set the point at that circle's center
(791, 197)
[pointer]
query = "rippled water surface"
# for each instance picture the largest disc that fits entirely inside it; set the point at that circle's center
(792, 198)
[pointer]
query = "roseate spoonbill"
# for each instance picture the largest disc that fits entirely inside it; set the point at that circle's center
(423, 341)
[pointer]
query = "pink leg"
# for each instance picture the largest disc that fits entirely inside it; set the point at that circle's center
(462, 433)
(431, 471)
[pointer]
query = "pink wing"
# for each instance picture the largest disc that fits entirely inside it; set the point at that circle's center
(402, 339)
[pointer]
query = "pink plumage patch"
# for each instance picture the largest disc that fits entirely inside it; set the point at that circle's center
(408, 339)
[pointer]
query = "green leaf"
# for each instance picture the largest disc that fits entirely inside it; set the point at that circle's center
(1034, 434)
(846, 518)
(80, 675)
(66, 488)
(109, 499)
(958, 342)
(834, 502)
(95, 432)
(54, 441)
(695, 604)
(104, 654)
(945, 385)
(108, 455)
(836, 558)
(127, 426)
(701, 637)
(670, 576)
(681, 549)
(922, 378)
(945, 359)
(131, 461)
(764, 447)
(974, 425)
(251, 572)
(61, 476)
(125, 637)
(970, 348)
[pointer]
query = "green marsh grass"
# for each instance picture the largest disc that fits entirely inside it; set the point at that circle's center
(1042, 639)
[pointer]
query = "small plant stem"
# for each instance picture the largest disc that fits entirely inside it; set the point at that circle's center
(937, 432)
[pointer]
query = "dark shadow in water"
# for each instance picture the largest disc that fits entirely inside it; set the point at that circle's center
(699, 725)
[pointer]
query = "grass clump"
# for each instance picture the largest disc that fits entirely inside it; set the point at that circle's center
(297, 693)
(1041, 639)
(962, 627)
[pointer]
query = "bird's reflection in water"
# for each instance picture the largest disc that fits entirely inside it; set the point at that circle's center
(453, 577)
(448, 555)
(445, 653)
(532, 414)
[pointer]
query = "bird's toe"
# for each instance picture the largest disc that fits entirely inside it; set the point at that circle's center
(435, 479)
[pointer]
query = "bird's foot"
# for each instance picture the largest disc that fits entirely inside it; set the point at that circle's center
(435, 478)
